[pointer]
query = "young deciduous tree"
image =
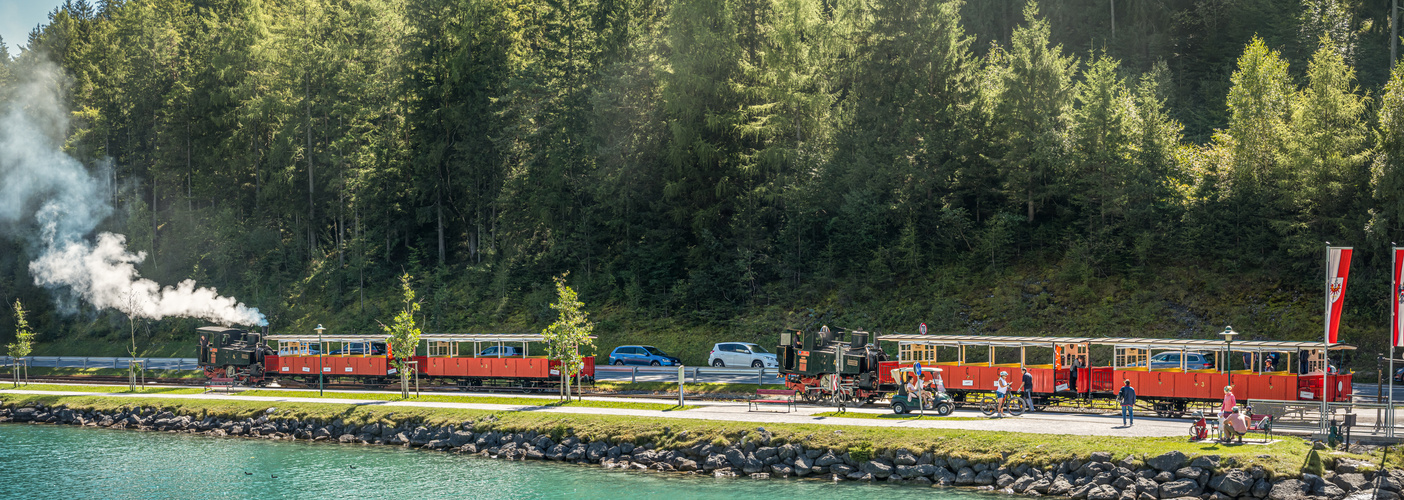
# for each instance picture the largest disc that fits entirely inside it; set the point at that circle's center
(569, 333)
(24, 337)
(404, 334)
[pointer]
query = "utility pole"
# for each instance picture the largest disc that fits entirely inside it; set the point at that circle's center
(1113, 17)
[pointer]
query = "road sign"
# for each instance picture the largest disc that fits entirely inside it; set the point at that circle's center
(922, 329)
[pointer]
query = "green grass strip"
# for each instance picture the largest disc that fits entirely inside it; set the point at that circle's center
(1284, 457)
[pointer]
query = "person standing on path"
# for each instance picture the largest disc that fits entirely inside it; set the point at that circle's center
(1027, 389)
(1127, 398)
(1002, 391)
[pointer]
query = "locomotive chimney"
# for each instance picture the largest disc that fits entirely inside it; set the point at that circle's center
(265, 331)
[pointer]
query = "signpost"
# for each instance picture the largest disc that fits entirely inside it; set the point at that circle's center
(922, 328)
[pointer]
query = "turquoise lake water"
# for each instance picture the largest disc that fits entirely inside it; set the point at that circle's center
(60, 462)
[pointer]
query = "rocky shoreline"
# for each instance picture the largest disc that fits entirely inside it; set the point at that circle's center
(1097, 477)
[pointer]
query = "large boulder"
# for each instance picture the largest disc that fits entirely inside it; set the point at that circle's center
(1103, 492)
(1235, 482)
(1206, 462)
(904, 457)
(965, 477)
(826, 460)
(944, 476)
(877, 469)
(1351, 481)
(1167, 462)
(24, 414)
(1180, 488)
(1288, 489)
(1100, 456)
(1060, 486)
(1189, 473)
(841, 469)
(985, 478)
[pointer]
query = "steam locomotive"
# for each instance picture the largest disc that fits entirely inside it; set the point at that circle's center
(823, 367)
(232, 353)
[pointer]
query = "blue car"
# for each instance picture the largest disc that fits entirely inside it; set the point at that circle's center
(641, 355)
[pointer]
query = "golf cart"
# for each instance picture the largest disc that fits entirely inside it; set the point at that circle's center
(903, 402)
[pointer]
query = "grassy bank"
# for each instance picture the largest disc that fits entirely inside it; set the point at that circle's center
(363, 396)
(1284, 457)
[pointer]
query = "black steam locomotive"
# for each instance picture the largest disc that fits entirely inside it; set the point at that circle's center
(232, 353)
(822, 366)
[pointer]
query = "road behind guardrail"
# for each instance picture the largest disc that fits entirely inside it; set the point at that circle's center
(692, 374)
(103, 362)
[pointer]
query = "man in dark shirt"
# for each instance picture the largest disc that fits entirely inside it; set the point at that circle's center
(1127, 398)
(1027, 389)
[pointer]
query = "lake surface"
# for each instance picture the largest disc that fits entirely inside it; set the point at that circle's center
(52, 462)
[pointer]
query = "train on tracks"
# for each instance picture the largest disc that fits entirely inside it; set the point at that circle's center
(1170, 376)
(500, 360)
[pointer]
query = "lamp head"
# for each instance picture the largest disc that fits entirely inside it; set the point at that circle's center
(319, 328)
(1228, 333)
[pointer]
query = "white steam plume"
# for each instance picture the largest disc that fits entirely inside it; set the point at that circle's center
(68, 202)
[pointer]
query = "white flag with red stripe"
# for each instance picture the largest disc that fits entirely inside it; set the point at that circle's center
(1397, 298)
(1337, 269)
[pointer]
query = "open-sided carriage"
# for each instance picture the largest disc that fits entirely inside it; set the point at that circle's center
(1169, 375)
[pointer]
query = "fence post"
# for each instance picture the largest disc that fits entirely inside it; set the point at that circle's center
(682, 374)
(634, 379)
(759, 376)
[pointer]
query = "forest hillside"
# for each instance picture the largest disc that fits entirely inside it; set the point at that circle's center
(712, 170)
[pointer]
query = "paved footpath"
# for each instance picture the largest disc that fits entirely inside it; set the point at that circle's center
(1038, 423)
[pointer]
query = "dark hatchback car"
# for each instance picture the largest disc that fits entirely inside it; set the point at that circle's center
(376, 349)
(641, 355)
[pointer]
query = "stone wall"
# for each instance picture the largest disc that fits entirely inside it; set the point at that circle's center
(1097, 477)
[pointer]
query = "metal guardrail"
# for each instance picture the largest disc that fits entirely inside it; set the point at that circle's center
(693, 374)
(104, 362)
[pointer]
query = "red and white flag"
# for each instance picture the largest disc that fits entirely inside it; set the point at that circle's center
(1397, 297)
(1337, 269)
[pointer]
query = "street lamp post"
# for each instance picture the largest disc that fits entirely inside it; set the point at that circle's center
(319, 358)
(1228, 334)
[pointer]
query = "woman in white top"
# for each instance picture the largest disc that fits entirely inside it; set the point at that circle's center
(914, 389)
(1001, 390)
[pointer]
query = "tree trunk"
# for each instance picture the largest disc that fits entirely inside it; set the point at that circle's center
(439, 208)
(311, 188)
(404, 383)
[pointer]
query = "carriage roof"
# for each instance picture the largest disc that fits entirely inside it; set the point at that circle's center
(1121, 342)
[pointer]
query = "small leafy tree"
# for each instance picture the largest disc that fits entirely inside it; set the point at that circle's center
(404, 334)
(568, 334)
(24, 337)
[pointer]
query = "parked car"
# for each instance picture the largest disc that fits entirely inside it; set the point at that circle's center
(741, 354)
(376, 349)
(1167, 360)
(311, 350)
(641, 355)
(506, 351)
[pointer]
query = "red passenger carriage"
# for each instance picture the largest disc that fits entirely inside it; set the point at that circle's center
(1172, 374)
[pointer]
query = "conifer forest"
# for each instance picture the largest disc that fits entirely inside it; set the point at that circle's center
(717, 170)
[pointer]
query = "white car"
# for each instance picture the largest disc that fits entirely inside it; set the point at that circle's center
(742, 354)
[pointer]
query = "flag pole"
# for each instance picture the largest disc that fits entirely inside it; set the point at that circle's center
(1393, 332)
(1326, 340)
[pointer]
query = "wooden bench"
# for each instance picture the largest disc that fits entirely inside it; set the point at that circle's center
(226, 383)
(772, 397)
